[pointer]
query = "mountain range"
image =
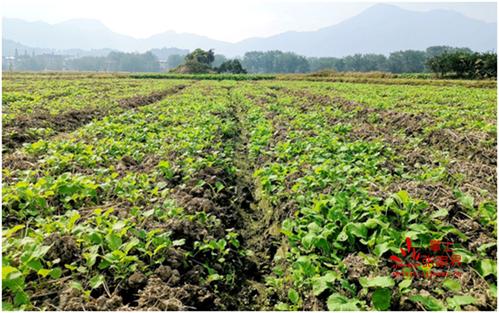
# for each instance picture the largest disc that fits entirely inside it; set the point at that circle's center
(381, 28)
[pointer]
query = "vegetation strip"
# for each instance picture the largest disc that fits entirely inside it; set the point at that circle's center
(18, 130)
(249, 195)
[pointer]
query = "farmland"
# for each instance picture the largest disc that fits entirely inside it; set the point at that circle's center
(270, 193)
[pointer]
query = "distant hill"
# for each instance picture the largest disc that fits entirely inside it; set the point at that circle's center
(383, 29)
(9, 48)
(164, 53)
(91, 34)
(379, 29)
(73, 34)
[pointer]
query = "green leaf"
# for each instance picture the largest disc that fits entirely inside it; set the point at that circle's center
(148, 213)
(429, 302)
(305, 264)
(369, 259)
(158, 248)
(382, 298)
(465, 200)
(281, 306)
(381, 248)
(35, 265)
(40, 252)
(406, 283)
(44, 272)
(342, 236)
(10, 273)
(96, 281)
(337, 302)
(119, 225)
(483, 248)
(95, 238)
(74, 216)
(11, 231)
(129, 245)
(456, 301)
(451, 284)
(359, 230)
(320, 284)
(6, 306)
(403, 196)
(91, 256)
(56, 273)
(293, 296)
(76, 285)
(308, 240)
(466, 256)
(439, 213)
(166, 168)
(379, 281)
(487, 267)
(214, 277)
(493, 290)
(219, 186)
(21, 298)
(114, 241)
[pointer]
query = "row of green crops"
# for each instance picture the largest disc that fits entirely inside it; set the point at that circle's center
(40, 108)
(237, 77)
(339, 223)
(452, 107)
(25, 95)
(99, 205)
(385, 79)
(329, 178)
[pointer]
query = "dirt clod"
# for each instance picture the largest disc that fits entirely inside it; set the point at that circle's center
(63, 248)
(137, 280)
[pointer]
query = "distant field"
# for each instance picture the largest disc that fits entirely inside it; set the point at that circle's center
(270, 192)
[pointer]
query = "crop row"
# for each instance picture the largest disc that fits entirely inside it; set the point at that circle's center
(136, 201)
(467, 109)
(339, 229)
(255, 195)
(34, 109)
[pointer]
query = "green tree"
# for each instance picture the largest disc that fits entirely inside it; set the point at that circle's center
(463, 64)
(275, 62)
(231, 66)
(439, 50)
(201, 56)
(408, 61)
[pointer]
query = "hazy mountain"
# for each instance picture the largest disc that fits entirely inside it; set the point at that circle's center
(182, 41)
(72, 34)
(382, 29)
(91, 34)
(379, 29)
(164, 53)
(9, 48)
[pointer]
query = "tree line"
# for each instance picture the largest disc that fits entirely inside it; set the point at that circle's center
(464, 65)
(444, 61)
(113, 62)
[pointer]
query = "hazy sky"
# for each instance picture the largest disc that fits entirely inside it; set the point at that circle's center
(229, 20)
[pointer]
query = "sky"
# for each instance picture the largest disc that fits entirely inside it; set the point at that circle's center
(228, 20)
